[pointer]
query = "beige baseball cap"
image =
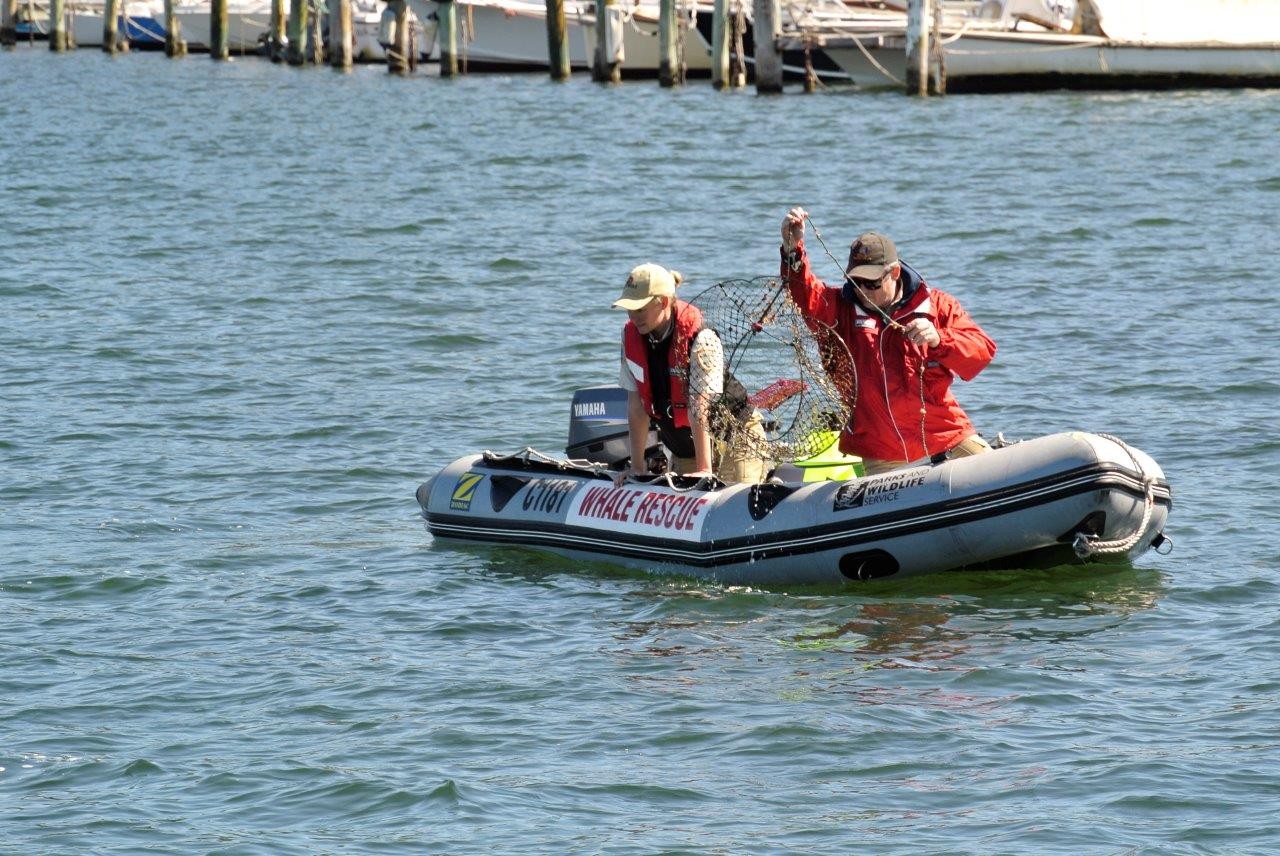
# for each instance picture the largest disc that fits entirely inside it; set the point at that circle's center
(646, 282)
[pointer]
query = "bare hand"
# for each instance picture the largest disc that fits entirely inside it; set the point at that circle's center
(793, 228)
(619, 479)
(920, 331)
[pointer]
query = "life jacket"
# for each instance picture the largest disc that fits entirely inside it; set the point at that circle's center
(688, 324)
(671, 417)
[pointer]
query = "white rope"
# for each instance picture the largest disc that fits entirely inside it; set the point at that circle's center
(629, 15)
(668, 479)
(858, 43)
(964, 28)
(530, 455)
(1086, 545)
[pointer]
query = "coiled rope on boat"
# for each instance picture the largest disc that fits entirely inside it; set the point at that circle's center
(1086, 545)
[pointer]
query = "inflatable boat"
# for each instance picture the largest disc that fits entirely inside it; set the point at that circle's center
(1062, 498)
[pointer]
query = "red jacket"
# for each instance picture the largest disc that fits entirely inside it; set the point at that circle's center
(897, 414)
(688, 325)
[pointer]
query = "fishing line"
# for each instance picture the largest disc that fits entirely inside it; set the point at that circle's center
(869, 306)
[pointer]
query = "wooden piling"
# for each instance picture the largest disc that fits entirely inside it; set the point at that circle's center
(557, 41)
(315, 38)
(218, 41)
(57, 26)
(8, 22)
(919, 16)
(720, 44)
(767, 23)
(605, 67)
(398, 54)
(447, 36)
(737, 52)
(937, 59)
(669, 71)
(111, 42)
(341, 34)
(276, 35)
(298, 28)
(174, 45)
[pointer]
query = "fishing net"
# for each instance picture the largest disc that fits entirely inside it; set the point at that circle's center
(798, 374)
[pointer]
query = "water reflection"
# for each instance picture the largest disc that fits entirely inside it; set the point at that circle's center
(953, 622)
(928, 621)
(683, 636)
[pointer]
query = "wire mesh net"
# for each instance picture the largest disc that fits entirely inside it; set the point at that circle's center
(798, 374)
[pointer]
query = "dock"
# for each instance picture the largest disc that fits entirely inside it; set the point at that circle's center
(920, 47)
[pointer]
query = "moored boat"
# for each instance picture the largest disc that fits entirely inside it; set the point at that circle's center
(139, 21)
(1032, 44)
(511, 35)
(248, 23)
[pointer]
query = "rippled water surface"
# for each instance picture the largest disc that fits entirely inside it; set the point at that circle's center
(246, 309)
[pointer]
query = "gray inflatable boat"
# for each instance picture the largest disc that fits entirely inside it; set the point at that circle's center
(1062, 498)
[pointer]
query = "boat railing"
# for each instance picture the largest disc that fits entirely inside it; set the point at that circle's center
(827, 18)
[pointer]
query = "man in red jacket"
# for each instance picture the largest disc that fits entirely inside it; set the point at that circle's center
(907, 341)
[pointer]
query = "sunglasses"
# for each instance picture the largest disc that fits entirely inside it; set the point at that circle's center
(867, 284)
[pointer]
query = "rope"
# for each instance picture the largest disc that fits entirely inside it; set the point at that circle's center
(629, 19)
(889, 322)
(857, 383)
(874, 62)
(1086, 545)
(924, 442)
(667, 478)
(530, 455)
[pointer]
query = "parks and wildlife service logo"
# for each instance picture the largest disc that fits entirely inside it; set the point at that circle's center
(850, 496)
(864, 492)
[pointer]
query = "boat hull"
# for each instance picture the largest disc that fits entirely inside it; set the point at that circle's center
(512, 36)
(247, 27)
(140, 24)
(994, 61)
(1027, 498)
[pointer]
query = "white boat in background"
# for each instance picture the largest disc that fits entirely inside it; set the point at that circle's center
(1036, 44)
(421, 20)
(512, 35)
(141, 21)
(825, 16)
(248, 24)
(366, 24)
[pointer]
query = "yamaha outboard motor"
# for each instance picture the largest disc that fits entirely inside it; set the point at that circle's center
(598, 427)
